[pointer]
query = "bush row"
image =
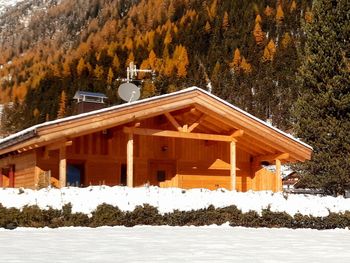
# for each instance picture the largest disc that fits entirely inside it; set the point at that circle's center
(108, 215)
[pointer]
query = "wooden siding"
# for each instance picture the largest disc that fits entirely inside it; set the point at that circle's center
(25, 170)
(187, 163)
(197, 163)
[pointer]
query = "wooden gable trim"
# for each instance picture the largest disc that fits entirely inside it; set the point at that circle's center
(176, 134)
(252, 128)
(268, 139)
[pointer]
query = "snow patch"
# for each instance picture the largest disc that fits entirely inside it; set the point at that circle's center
(85, 200)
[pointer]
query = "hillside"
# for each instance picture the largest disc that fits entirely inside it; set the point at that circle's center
(5, 4)
(247, 50)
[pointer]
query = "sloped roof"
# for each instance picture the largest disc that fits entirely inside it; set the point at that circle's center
(44, 133)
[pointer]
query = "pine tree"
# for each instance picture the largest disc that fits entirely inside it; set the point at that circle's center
(322, 112)
(62, 105)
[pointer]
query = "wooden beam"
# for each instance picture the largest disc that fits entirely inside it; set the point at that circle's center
(272, 157)
(130, 160)
(62, 167)
(278, 176)
(173, 121)
(237, 133)
(196, 123)
(58, 145)
(233, 165)
(176, 134)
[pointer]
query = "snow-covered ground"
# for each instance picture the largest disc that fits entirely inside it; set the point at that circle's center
(174, 244)
(86, 200)
(8, 3)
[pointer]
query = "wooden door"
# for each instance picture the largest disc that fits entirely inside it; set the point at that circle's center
(161, 171)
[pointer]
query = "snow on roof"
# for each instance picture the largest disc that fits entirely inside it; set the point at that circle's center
(80, 94)
(32, 130)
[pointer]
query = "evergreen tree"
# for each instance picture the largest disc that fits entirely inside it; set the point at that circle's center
(322, 112)
(12, 119)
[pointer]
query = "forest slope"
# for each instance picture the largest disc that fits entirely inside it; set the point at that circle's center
(247, 50)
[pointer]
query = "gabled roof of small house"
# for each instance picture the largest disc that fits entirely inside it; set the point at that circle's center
(263, 134)
(80, 94)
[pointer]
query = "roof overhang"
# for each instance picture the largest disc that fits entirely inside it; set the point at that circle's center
(255, 130)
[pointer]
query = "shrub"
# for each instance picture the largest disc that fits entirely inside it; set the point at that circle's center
(107, 215)
(275, 219)
(143, 215)
(30, 216)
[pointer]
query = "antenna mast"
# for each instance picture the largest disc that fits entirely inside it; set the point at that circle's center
(131, 72)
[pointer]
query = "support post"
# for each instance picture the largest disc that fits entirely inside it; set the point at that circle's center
(62, 167)
(1, 178)
(12, 176)
(278, 176)
(130, 161)
(233, 164)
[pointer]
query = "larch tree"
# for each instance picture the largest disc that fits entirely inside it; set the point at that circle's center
(279, 14)
(110, 76)
(116, 62)
(62, 105)
(322, 111)
(80, 67)
(152, 60)
(168, 38)
(245, 66)
(268, 11)
(207, 27)
(98, 72)
(236, 62)
(269, 51)
(293, 6)
(259, 34)
(181, 58)
(225, 21)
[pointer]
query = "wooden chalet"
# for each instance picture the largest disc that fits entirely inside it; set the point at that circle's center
(186, 139)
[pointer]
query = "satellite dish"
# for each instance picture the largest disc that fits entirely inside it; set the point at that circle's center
(129, 92)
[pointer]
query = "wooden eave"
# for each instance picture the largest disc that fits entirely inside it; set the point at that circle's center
(258, 138)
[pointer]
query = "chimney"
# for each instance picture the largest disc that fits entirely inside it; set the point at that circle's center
(89, 101)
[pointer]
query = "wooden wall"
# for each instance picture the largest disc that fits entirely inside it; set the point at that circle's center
(25, 169)
(189, 163)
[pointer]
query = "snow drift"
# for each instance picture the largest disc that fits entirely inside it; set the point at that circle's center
(86, 200)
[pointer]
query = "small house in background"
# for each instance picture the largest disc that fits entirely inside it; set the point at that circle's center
(290, 180)
(89, 101)
(186, 139)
